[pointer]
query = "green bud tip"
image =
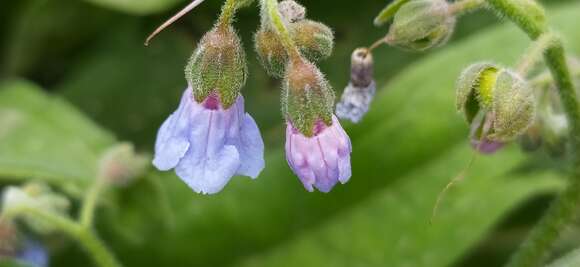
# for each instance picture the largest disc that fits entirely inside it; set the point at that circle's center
(421, 24)
(218, 65)
(315, 40)
(503, 95)
(307, 96)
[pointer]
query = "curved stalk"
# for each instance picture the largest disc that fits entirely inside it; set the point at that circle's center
(85, 236)
(563, 210)
(271, 10)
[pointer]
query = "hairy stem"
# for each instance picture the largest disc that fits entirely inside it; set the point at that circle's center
(535, 53)
(90, 202)
(529, 17)
(228, 12)
(271, 10)
(465, 6)
(85, 236)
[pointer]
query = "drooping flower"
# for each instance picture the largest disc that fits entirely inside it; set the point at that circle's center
(207, 143)
(317, 148)
(357, 96)
(321, 160)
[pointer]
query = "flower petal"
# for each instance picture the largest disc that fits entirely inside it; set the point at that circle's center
(210, 163)
(172, 139)
(322, 160)
(251, 148)
(209, 175)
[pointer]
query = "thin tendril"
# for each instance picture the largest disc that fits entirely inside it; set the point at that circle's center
(175, 17)
(459, 177)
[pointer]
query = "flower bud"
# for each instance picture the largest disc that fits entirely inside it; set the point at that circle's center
(120, 165)
(291, 11)
(421, 24)
(307, 97)
(218, 65)
(501, 94)
(271, 52)
(315, 40)
(357, 96)
(34, 196)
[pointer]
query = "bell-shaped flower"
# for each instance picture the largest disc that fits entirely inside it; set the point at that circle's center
(207, 144)
(321, 160)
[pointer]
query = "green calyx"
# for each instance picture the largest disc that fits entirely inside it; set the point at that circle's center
(307, 97)
(421, 24)
(502, 94)
(314, 39)
(271, 52)
(218, 65)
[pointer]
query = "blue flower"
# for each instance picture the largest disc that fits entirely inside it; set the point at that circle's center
(34, 254)
(207, 144)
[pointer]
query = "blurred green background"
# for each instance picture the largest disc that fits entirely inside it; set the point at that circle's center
(75, 79)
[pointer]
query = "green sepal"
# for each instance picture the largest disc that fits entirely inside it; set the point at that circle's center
(307, 97)
(218, 65)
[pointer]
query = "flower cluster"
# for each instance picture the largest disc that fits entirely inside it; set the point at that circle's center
(210, 138)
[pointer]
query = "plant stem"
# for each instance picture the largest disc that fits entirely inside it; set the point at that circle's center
(85, 236)
(271, 10)
(90, 202)
(465, 6)
(535, 53)
(228, 12)
(529, 17)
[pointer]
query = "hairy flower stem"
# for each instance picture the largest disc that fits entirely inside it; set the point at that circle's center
(85, 236)
(90, 202)
(535, 53)
(228, 12)
(271, 8)
(465, 6)
(563, 210)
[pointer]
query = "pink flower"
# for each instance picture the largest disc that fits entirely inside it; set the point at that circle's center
(321, 160)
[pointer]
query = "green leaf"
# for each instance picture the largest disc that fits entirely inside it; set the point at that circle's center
(14, 263)
(137, 7)
(389, 11)
(412, 123)
(42, 38)
(43, 137)
(137, 87)
(572, 259)
(391, 228)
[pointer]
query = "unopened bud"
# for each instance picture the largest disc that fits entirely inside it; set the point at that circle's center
(315, 40)
(218, 65)
(500, 93)
(422, 24)
(291, 11)
(271, 52)
(120, 165)
(34, 196)
(357, 96)
(307, 97)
